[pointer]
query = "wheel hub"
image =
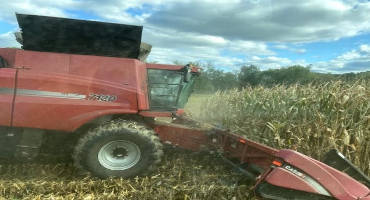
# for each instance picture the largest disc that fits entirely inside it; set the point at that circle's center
(119, 155)
(119, 152)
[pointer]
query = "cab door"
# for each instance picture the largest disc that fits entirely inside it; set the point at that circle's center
(7, 85)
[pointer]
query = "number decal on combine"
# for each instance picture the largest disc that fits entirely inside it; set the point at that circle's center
(102, 97)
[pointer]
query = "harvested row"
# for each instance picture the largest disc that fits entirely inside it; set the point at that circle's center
(182, 175)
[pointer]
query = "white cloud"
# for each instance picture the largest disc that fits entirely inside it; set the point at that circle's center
(356, 60)
(258, 20)
(349, 56)
(40, 7)
(111, 10)
(225, 33)
(273, 62)
(300, 50)
(267, 20)
(256, 58)
(249, 47)
(170, 45)
(8, 40)
(365, 48)
(292, 49)
(203, 55)
(281, 46)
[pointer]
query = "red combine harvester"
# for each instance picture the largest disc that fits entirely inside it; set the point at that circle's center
(85, 80)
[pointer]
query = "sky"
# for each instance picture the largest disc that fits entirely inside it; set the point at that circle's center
(330, 36)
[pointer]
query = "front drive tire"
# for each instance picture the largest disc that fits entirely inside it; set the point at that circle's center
(119, 148)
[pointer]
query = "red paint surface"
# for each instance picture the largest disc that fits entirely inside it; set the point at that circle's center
(180, 112)
(76, 74)
(194, 69)
(365, 198)
(246, 151)
(283, 178)
(339, 184)
(161, 66)
(195, 139)
(182, 136)
(7, 77)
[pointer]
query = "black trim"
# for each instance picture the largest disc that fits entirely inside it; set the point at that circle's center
(249, 175)
(272, 192)
(14, 96)
(336, 160)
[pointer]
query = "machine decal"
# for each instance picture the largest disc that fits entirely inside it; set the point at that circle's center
(6, 91)
(307, 179)
(294, 171)
(39, 93)
(102, 97)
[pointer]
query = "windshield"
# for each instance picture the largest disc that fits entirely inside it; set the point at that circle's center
(169, 90)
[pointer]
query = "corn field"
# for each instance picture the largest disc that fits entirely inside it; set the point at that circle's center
(311, 119)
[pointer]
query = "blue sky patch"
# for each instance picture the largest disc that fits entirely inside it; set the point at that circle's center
(6, 27)
(138, 11)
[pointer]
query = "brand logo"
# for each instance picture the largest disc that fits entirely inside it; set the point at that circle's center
(294, 171)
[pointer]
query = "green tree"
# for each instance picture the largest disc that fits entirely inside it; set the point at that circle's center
(249, 75)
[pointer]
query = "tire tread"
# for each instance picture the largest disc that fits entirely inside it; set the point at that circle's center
(114, 127)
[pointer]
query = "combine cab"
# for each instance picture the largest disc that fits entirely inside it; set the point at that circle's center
(85, 80)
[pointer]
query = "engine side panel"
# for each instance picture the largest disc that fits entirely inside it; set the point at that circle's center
(7, 77)
(62, 92)
(48, 101)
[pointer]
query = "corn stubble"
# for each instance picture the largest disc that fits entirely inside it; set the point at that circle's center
(310, 119)
(183, 175)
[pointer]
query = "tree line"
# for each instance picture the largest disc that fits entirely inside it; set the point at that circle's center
(213, 79)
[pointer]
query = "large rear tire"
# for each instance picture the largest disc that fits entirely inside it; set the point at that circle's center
(119, 148)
